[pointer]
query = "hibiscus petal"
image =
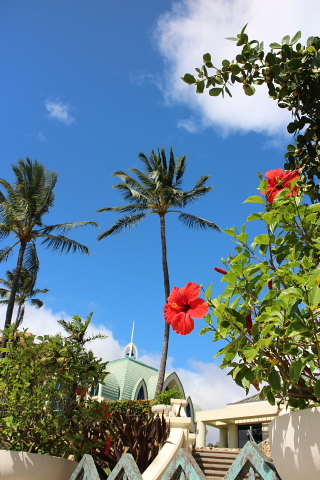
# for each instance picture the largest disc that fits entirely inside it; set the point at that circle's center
(198, 308)
(174, 296)
(290, 176)
(190, 292)
(169, 313)
(274, 174)
(183, 324)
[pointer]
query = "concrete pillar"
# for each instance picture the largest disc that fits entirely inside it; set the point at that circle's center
(201, 435)
(233, 435)
(223, 437)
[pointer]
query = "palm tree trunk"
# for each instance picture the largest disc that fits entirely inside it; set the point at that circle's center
(166, 280)
(12, 297)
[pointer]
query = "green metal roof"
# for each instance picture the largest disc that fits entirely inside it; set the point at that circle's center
(124, 377)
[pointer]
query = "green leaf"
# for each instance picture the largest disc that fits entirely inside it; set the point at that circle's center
(207, 57)
(275, 45)
(235, 69)
(204, 330)
(189, 79)
(214, 92)
(254, 216)
(263, 239)
(200, 86)
(296, 369)
(285, 40)
(294, 63)
(249, 90)
(254, 199)
(274, 380)
(250, 352)
(230, 231)
(230, 277)
(225, 63)
(232, 38)
(292, 127)
(292, 292)
(295, 38)
(270, 58)
(296, 328)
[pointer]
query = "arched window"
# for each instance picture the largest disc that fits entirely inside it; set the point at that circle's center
(140, 395)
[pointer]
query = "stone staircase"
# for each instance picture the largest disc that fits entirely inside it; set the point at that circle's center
(215, 462)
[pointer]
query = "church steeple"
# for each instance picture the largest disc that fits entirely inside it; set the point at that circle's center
(131, 349)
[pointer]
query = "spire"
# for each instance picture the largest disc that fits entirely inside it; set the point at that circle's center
(131, 351)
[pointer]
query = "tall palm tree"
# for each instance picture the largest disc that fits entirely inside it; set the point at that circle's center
(158, 190)
(21, 214)
(26, 292)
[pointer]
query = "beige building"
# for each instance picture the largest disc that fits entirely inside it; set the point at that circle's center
(236, 421)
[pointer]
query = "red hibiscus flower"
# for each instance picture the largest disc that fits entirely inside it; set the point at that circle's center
(184, 303)
(82, 392)
(220, 270)
(278, 180)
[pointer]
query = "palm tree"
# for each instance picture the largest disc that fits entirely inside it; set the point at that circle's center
(25, 293)
(21, 211)
(77, 329)
(158, 190)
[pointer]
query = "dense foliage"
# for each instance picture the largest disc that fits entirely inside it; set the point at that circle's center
(269, 312)
(291, 73)
(43, 385)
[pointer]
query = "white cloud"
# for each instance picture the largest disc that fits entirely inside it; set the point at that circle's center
(59, 111)
(188, 124)
(41, 137)
(43, 321)
(195, 27)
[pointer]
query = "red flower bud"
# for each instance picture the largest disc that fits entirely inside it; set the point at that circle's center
(220, 270)
(249, 323)
(270, 284)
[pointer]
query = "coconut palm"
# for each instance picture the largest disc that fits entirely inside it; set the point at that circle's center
(21, 214)
(25, 293)
(158, 190)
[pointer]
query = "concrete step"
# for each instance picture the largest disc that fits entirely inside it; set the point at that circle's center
(215, 462)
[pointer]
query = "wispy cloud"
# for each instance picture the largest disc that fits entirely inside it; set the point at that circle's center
(59, 111)
(194, 27)
(41, 137)
(188, 124)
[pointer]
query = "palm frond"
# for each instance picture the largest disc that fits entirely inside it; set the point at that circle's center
(181, 164)
(192, 195)
(131, 194)
(145, 179)
(123, 224)
(64, 228)
(62, 244)
(125, 208)
(31, 264)
(147, 161)
(192, 221)
(35, 302)
(6, 252)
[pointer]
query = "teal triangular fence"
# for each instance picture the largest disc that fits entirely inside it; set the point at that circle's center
(252, 461)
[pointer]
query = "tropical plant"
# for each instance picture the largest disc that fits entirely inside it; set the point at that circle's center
(268, 316)
(164, 398)
(127, 432)
(158, 190)
(21, 214)
(291, 73)
(26, 292)
(43, 404)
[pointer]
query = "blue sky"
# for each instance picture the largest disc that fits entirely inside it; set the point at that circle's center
(86, 86)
